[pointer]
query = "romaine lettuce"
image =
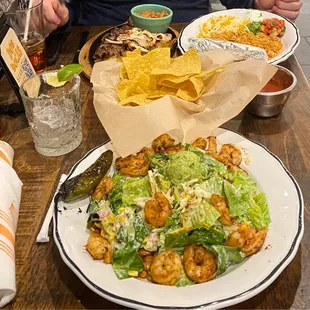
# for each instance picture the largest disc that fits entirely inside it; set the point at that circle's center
(184, 280)
(136, 188)
(115, 196)
(244, 202)
(126, 258)
(204, 215)
(198, 236)
(126, 190)
(158, 161)
(226, 256)
(238, 201)
(258, 214)
(214, 167)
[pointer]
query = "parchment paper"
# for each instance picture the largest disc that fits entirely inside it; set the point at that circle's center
(227, 94)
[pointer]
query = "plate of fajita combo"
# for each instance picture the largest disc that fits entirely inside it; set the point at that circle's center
(278, 36)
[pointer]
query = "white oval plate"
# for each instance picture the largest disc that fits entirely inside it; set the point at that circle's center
(290, 39)
(238, 284)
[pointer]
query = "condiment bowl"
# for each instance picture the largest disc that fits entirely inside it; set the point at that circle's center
(154, 25)
(270, 103)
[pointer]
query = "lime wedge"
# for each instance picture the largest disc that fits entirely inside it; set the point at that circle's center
(52, 80)
(67, 72)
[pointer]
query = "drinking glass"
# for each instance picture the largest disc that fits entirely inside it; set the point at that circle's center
(53, 113)
(28, 24)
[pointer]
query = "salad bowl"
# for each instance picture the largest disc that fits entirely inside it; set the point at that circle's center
(238, 283)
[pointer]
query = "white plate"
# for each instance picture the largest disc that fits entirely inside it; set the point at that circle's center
(290, 39)
(238, 284)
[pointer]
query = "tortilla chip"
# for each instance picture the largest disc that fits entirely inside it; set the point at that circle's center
(123, 89)
(187, 64)
(154, 75)
(140, 99)
(163, 91)
(134, 53)
(142, 81)
(157, 58)
(123, 73)
(192, 89)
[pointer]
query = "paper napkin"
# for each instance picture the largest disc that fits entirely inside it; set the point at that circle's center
(10, 193)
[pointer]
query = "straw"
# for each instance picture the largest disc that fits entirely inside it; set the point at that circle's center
(27, 21)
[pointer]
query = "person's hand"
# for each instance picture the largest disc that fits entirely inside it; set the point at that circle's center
(55, 15)
(286, 8)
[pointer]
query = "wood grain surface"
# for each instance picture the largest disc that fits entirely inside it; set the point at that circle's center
(45, 282)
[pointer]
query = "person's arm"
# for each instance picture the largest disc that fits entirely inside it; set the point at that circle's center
(286, 8)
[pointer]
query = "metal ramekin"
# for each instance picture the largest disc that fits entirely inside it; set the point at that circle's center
(268, 104)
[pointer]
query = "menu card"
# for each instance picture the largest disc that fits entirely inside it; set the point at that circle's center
(16, 58)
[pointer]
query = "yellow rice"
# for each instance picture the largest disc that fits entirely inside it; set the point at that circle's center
(272, 46)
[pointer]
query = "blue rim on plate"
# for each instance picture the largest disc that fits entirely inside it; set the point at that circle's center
(125, 301)
(283, 58)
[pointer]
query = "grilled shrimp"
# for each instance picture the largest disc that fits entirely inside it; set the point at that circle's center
(103, 188)
(162, 142)
(212, 145)
(200, 143)
(156, 211)
(146, 151)
(227, 163)
(174, 149)
(199, 264)
(166, 267)
(220, 204)
(231, 153)
(99, 248)
(247, 239)
(133, 165)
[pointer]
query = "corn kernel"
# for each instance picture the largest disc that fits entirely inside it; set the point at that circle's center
(111, 238)
(122, 219)
(111, 217)
(133, 273)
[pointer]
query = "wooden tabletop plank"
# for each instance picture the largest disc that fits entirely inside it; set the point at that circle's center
(43, 279)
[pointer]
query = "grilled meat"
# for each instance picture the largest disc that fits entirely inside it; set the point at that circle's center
(127, 38)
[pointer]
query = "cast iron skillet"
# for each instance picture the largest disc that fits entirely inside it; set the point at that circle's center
(97, 42)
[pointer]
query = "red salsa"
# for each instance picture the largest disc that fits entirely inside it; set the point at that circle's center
(275, 85)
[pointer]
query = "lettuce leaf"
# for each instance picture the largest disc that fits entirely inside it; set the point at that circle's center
(242, 180)
(126, 257)
(163, 183)
(239, 193)
(258, 214)
(184, 280)
(126, 190)
(244, 201)
(115, 196)
(158, 161)
(226, 256)
(238, 201)
(203, 215)
(214, 167)
(214, 185)
(198, 236)
(136, 188)
(254, 27)
(125, 260)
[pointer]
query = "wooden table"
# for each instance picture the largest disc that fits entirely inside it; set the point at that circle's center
(44, 281)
